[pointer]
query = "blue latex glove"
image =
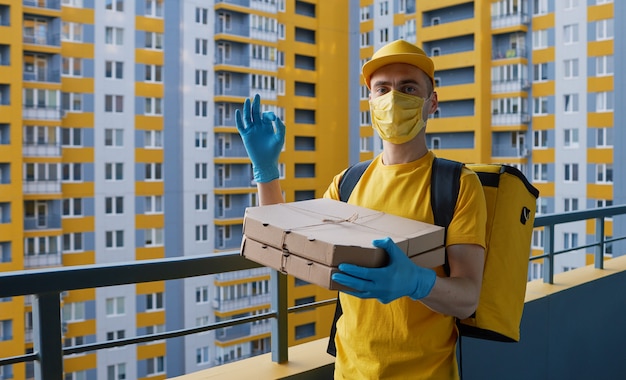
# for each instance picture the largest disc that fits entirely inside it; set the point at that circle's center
(263, 142)
(401, 277)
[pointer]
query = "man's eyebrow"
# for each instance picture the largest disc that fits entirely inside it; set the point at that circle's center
(402, 82)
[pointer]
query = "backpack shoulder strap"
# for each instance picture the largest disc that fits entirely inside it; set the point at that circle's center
(346, 184)
(445, 182)
(350, 178)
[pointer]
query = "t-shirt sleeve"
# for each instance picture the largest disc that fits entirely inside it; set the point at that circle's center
(469, 223)
(332, 191)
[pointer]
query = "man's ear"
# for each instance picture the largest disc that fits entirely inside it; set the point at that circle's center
(434, 103)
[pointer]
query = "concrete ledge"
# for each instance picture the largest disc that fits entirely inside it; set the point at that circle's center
(306, 361)
(562, 281)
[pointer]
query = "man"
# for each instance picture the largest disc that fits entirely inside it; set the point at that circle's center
(398, 322)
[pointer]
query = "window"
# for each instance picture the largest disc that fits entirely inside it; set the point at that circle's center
(114, 5)
(365, 13)
(536, 271)
(570, 103)
(71, 172)
(154, 73)
(571, 4)
(153, 237)
(540, 72)
(114, 103)
(540, 106)
(604, 101)
(114, 205)
(72, 136)
(604, 29)
(155, 365)
(72, 207)
(570, 34)
(201, 139)
(604, 65)
(153, 204)
(202, 16)
(570, 240)
(384, 8)
(154, 41)
(113, 36)
(202, 294)
(604, 173)
(72, 3)
(154, 8)
(154, 171)
(114, 171)
(71, 31)
(384, 35)
(540, 172)
(540, 39)
(570, 204)
(570, 137)
(115, 306)
(201, 171)
(73, 242)
(113, 137)
(114, 239)
(202, 202)
(153, 139)
(571, 68)
(202, 232)
(114, 69)
(305, 331)
(202, 355)
(202, 46)
(116, 372)
(540, 7)
(72, 67)
(571, 172)
(604, 137)
(153, 106)
(72, 102)
(73, 311)
(154, 301)
(202, 78)
(202, 108)
(365, 39)
(116, 335)
(542, 206)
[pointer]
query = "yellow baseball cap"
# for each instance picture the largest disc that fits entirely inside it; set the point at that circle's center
(399, 51)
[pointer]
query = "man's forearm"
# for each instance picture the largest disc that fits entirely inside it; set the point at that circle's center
(270, 193)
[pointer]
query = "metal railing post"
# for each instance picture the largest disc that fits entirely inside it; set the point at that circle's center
(598, 260)
(548, 261)
(47, 343)
(280, 329)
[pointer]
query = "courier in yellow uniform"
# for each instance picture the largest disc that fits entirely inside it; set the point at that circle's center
(399, 322)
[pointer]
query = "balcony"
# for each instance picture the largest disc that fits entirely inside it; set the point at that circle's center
(42, 186)
(509, 53)
(509, 20)
(513, 85)
(33, 112)
(571, 328)
(508, 119)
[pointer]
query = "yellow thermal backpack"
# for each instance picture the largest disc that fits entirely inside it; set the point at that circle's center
(511, 203)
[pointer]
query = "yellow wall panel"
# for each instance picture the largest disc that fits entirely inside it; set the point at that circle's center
(143, 122)
(77, 49)
(545, 189)
(543, 88)
(600, 119)
(80, 189)
(148, 155)
(149, 90)
(150, 287)
(599, 156)
(149, 56)
(79, 258)
(600, 84)
(84, 224)
(599, 191)
(147, 351)
(541, 123)
(543, 156)
(600, 12)
(78, 119)
(543, 55)
(149, 221)
(599, 48)
(80, 363)
(149, 24)
(85, 155)
(75, 14)
(453, 61)
(543, 22)
(149, 253)
(82, 85)
(148, 188)
(150, 319)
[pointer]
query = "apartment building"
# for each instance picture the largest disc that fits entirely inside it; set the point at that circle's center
(118, 143)
(527, 83)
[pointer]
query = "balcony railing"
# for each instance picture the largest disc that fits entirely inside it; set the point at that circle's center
(48, 286)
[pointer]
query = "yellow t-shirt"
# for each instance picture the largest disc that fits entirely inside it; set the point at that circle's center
(404, 339)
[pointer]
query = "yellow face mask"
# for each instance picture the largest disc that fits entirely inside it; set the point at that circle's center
(397, 117)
